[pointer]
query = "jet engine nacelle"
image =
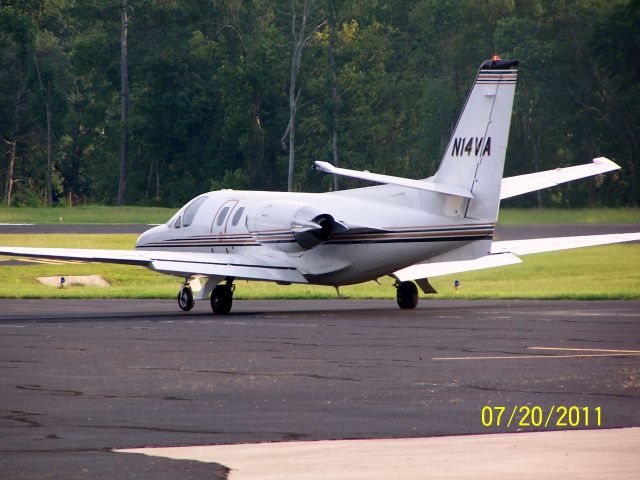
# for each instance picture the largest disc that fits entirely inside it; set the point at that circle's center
(290, 226)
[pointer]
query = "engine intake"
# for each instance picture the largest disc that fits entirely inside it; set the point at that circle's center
(310, 238)
(290, 226)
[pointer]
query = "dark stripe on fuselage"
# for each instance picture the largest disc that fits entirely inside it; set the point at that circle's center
(412, 240)
(409, 235)
(331, 242)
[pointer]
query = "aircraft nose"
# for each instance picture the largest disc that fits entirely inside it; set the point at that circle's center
(147, 236)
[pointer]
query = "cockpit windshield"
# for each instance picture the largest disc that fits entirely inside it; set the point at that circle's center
(187, 213)
(191, 210)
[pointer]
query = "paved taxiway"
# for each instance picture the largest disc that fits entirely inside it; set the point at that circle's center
(80, 378)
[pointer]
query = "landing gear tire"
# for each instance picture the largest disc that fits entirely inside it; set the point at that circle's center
(222, 299)
(185, 298)
(407, 295)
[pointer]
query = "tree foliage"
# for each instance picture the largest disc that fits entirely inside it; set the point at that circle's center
(210, 93)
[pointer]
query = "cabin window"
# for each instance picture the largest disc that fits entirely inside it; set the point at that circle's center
(237, 216)
(221, 216)
(191, 210)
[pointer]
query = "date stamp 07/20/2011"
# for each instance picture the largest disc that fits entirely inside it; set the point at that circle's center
(554, 416)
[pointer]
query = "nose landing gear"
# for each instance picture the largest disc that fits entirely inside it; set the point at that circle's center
(185, 298)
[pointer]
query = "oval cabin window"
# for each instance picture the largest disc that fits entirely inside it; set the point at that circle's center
(237, 216)
(221, 216)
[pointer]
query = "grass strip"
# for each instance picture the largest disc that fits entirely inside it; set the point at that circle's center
(105, 214)
(524, 216)
(86, 214)
(607, 272)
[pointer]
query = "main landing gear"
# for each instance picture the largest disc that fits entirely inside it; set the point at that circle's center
(407, 295)
(221, 296)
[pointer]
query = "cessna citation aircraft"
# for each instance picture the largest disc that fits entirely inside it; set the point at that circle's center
(408, 229)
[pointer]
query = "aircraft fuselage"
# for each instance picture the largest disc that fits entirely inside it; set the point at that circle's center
(271, 224)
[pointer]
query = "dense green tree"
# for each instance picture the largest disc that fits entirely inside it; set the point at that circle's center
(379, 87)
(17, 40)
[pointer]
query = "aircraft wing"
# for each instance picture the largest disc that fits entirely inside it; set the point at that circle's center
(436, 269)
(512, 186)
(247, 267)
(506, 253)
(541, 245)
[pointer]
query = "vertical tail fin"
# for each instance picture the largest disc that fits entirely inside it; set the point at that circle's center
(474, 158)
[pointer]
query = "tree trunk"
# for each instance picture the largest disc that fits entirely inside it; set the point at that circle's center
(535, 138)
(12, 161)
(14, 143)
(257, 153)
(632, 170)
(49, 108)
(157, 196)
(334, 85)
(49, 146)
(292, 153)
(296, 59)
(536, 168)
(124, 97)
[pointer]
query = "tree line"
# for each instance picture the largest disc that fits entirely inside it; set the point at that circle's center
(209, 94)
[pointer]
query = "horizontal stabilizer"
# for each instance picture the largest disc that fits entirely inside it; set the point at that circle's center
(518, 185)
(427, 270)
(390, 180)
(541, 245)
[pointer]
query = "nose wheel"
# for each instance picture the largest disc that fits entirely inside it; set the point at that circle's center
(407, 295)
(185, 298)
(222, 299)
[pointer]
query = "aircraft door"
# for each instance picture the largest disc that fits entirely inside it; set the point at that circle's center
(237, 228)
(219, 226)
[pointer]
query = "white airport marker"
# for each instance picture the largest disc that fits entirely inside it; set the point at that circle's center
(532, 455)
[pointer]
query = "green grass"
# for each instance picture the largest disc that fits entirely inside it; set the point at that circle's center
(607, 272)
(86, 214)
(519, 216)
(103, 214)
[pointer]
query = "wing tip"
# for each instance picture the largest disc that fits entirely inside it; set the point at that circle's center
(606, 161)
(323, 166)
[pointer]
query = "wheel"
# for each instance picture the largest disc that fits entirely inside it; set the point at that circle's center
(185, 298)
(221, 299)
(407, 295)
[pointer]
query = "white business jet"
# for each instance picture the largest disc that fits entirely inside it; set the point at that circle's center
(408, 229)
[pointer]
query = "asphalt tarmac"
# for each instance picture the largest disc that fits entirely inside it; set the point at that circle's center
(80, 378)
